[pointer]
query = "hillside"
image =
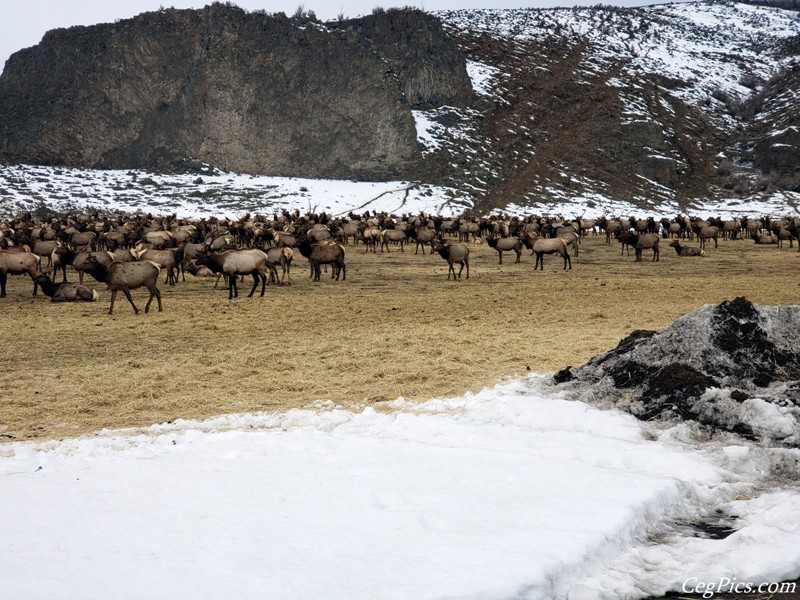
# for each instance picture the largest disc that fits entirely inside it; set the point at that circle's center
(245, 92)
(663, 104)
(662, 108)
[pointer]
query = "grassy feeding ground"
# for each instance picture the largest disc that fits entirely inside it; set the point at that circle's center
(395, 327)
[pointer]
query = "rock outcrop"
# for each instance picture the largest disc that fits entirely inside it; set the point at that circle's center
(246, 92)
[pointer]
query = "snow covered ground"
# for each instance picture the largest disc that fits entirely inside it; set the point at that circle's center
(219, 194)
(510, 493)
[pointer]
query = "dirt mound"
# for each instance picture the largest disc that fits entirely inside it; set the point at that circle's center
(733, 367)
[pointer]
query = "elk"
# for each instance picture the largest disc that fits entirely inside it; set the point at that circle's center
(324, 253)
(283, 257)
(126, 277)
(370, 236)
(686, 250)
(18, 263)
(557, 245)
(506, 244)
(45, 248)
(81, 260)
(453, 253)
(170, 260)
(66, 291)
(393, 235)
(641, 242)
(764, 239)
(235, 262)
(425, 235)
(707, 233)
(60, 258)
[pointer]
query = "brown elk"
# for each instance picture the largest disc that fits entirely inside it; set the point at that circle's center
(393, 235)
(324, 253)
(686, 250)
(453, 253)
(641, 242)
(424, 235)
(506, 244)
(66, 291)
(126, 277)
(18, 263)
(283, 257)
(170, 260)
(709, 232)
(557, 245)
(235, 262)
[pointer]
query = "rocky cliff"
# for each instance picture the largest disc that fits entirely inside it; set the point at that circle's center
(245, 92)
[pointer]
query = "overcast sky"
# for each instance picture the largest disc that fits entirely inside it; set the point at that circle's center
(22, 24)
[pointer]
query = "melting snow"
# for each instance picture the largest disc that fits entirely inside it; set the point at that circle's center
(512, 492)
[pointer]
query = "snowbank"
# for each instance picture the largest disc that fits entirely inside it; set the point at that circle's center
(513, 492)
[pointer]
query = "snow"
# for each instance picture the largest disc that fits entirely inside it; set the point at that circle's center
(512, 492)
(481, 76)
(220, 194)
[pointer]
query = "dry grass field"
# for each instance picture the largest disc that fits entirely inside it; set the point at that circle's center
(396, 327)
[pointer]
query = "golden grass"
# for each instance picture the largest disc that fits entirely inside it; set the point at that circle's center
(396, 327)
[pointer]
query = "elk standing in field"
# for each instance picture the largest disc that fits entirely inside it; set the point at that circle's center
(542, 246)
(126, 277)
(237, 262)
(453, 253)
(506, 244)
(18, 263)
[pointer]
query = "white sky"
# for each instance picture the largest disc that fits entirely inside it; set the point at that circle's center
(22, 24)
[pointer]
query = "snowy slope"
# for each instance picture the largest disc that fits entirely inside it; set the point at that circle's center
(681, 67)
(29, 187)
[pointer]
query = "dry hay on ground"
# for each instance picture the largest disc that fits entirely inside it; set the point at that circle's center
(395, 327)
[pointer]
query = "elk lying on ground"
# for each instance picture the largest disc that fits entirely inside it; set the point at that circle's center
(126, 277)
(542, 246)
(453, 253)
(764, 239)
(324, 253)
(506, 244)
(686, 250)
(18, 263)
(66, 291)
(235, 262)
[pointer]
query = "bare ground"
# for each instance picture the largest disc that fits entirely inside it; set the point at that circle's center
(395, 327)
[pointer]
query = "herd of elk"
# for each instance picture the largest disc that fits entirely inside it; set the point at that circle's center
(258, 246)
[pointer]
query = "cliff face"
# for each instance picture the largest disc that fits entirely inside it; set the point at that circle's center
(241, 91)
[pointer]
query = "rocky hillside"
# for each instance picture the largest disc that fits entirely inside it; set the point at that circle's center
(658, 106)
(245, 92)
(655, 105)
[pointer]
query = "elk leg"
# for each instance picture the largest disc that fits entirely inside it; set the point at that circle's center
(255, 284)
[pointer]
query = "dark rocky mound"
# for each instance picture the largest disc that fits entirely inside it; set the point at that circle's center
(732, 367)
